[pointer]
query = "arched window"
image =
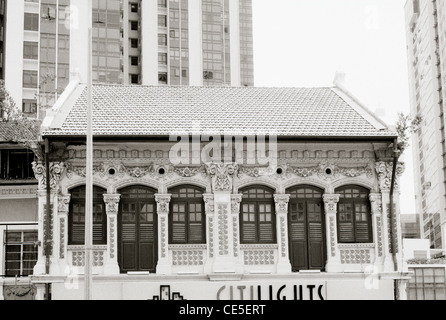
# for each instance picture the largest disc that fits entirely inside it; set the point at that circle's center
(76, 217)
(354, 218)
(187, 221)
(257, 215)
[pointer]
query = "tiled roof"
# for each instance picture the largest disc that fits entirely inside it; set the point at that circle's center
(164, 110)
(11, 131)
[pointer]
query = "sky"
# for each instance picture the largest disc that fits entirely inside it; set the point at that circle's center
(303, 43)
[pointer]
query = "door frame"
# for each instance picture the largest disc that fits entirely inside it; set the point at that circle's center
(155, 229)
(306, 200)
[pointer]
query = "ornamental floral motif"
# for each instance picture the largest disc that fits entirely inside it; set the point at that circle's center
(236, 199)
(330, 201)
(282, 203)
(223, 230)
(328, 170)
(189, 257)
(188, 172)
(56, 170)
(222, 174)
(111, 203)
(259, 257)
(384, 171)
(63, 204)
(355, 256)
(162, 201)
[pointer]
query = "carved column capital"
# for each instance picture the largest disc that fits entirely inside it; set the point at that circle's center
(63, 204)
(330, 202)
(281, 201)
(222, 175)
(111, 203)
(56, 170)
(384, 171)
(162, 201)
(236, 199)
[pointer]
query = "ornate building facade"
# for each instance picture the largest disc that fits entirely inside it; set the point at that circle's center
(297, 226)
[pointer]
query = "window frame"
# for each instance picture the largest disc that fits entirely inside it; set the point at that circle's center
(81, 200)
(257, 223)
(354, 221)
(187, 223)
(20, 243)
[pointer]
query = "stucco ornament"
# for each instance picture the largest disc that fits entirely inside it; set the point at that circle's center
(222, 174)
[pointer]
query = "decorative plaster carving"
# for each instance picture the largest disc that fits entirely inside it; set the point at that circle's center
(330, 201)
(259, 257)
(332, 226)
(222, 174)
(78, 257)
(223, 229)
(379, 235)
(111, 203)
(281, 201)
(63, 204)
(330, 170)
(355, 256)
(56, 170)
(163, 201)
(62, 238)
(187, 256)
(188, 172)
(384, 171)
(236, 199)
(376, 203)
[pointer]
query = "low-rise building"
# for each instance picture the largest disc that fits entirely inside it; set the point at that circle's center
(220, 193)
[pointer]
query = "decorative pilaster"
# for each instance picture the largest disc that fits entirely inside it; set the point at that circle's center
(236, 199)
(209, 211)
(47, 232)
(333, 254)
(111, 209)
(283, 263)
(63, 205)
(163, 201)
(222, 180)
(390, 224)
(377, 227)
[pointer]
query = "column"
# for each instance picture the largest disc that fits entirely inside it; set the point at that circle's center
(164, 266)
(48, 238)
(390, 224)
(236, 199)
(283, 263)
(63, 205)
(209, 211)
(221, 175)
(111, 209)
(333, 255)
(377, 228)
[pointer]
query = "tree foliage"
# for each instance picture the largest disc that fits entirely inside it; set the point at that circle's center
(405, 126)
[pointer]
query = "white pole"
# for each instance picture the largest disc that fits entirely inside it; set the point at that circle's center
(89, 169)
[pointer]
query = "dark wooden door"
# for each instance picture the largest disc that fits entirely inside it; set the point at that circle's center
(306, 234)
(137, 231)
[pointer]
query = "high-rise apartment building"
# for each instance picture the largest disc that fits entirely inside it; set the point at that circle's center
(162, 42)
(426, 49)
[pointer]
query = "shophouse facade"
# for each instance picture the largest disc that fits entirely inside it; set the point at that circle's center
(302, 212)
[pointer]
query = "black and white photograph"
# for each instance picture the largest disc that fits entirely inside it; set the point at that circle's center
(222, 155)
